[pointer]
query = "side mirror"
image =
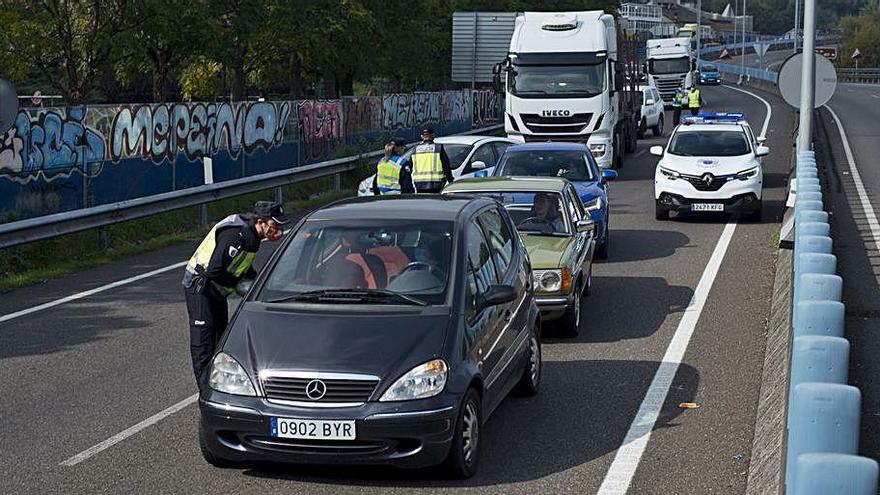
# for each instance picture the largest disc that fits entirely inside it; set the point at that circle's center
(762, 151)
(761, 139)
(498, 294)
(585, 225)
(608, 174)
(657, 150)
(244, 286)
(478, 165)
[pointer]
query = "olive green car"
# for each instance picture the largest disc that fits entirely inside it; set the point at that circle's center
(558, 234)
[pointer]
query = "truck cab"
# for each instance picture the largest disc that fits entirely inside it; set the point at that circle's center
(669, 65)
(563, 81)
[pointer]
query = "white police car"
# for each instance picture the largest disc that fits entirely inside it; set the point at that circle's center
(712, 163)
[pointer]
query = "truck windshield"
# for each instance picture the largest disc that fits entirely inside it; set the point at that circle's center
(557, 81)
(669, 65)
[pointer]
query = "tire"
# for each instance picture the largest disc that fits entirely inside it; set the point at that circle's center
(571, 320)
(632, 141)
(658, 129)
(660, 213)
(209, 456)
(588, 290)
(643, 127)
(530, 382)
(617, 161)
(602, 249)
(464, 453)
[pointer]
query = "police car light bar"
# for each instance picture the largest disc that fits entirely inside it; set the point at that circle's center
(718, 117)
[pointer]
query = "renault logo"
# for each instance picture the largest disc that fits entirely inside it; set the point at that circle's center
(316, 389)
(707, 178)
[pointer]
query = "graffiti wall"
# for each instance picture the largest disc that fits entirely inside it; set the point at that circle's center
(58, 159)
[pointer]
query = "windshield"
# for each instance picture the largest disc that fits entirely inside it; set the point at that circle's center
(669, 65)
(557, 81)
(534, 213)
(404, 257)
(457, 153)
(572, 165)
(709, 143)
(709, 68)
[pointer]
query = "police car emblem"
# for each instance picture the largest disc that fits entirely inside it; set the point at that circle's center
(707, 178)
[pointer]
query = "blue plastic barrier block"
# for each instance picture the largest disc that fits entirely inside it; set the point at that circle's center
(806, 181)
(819, 318)
(801, 216)
(810, 244)
(819, 287)
(809, 205)
(807, 172)
(808, 188)
(807, 196)
(817, 358)
(835, 474)
(823, 417)
(813, 228)
(813, 263)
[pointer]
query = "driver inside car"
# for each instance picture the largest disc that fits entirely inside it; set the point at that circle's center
(350, 266)
(546, 207)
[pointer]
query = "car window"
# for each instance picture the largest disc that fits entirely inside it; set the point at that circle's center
(656, 96)
(500, 239)
(577, 202)
(573, 212)
(648, 95)
(709, 143)
(480, 258)
(500, 146)
(485, 154)
(751, 136)
(470, 293)
(533, 213)
(572, 165)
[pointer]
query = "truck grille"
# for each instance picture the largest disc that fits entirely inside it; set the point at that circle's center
(336, 391)
(667, 86)
(700, 184)
(556, 125)
(564, 138)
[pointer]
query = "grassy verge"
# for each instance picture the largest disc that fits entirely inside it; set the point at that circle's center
(37, 262)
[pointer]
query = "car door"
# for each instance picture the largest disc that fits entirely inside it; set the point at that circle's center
(484, 152)
(485, 324)
(584, 241)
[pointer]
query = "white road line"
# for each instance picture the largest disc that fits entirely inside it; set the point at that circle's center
(870, 216)
(627, 459)
(106, 444)
(769, 110)
(80, 295)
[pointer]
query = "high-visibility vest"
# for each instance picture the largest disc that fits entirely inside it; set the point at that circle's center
(426, 164)
(240, 263)
(388, 175)
(676, 100)
(694, 99)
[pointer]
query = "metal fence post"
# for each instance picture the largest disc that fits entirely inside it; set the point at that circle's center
(203, 215)
(279, 195)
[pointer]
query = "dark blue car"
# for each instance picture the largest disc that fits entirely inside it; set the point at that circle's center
(572, 161)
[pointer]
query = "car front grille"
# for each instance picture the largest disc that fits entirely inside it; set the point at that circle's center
(701, 184)
(282, 388)
(556, 125)
(329, 447)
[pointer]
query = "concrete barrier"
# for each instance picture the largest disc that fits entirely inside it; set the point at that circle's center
(819, 318)
(835, 474)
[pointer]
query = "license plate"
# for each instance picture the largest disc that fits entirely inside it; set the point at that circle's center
(309, 429)
(707, 207)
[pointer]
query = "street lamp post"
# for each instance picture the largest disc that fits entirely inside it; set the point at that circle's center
(699, 29)
(742, 69)
(808, 77)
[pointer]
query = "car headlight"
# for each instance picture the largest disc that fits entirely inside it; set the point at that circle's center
(747, 174)
(423, 381)
(229, 377)
(558, 280)
(594, 204)
(597, 149)
(669, 174)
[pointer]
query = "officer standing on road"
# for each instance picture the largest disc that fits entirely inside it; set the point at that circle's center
(431, 169)
(677, 102)
(393, 173)
(224, 257)
(695, 100)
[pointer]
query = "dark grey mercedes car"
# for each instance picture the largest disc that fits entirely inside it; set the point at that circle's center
(382, 331)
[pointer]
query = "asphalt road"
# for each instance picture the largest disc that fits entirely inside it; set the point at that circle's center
(855, 238)
(79, 373)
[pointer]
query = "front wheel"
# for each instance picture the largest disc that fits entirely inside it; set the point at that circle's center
(660, 213)
(602, 249)
(209, 456)
(571, 320)
(464, 453)
(658, 129)
(531, 378)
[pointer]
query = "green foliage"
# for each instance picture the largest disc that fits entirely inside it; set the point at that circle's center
(201, 79)
(862, 32)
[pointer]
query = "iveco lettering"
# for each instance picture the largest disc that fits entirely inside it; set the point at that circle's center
(383, 331)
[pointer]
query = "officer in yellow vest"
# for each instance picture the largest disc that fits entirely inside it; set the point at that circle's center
(393, 172)
(224, 257)
(695, 100)
(677, 102)
(431, 168)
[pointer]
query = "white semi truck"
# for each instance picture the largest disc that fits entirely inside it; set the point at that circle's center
(564, 80)
(669, 65)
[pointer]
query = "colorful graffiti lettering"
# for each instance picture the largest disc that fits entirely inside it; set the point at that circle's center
(410, 110)
(320, 127)
(485, 108)
(51, 145)
(362, 114)
(197, 130)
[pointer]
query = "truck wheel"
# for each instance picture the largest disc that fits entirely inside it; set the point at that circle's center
(631, 140)
(617, 161)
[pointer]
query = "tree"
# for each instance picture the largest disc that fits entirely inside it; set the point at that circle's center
(862, 32)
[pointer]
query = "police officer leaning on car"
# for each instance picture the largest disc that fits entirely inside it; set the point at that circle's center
(431, 168)
(224, 257)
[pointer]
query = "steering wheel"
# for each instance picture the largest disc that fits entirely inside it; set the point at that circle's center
(418, 265)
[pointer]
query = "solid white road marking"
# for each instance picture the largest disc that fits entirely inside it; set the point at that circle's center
(629, 455)
(96, 290)
(870, 216)
(106, 444)
(769, 110)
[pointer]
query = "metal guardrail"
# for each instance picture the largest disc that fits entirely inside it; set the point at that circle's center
(866, 76)
(823, 411)
(69, 222)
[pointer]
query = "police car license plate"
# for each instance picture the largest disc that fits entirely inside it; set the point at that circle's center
(310, 429)
(707, 207)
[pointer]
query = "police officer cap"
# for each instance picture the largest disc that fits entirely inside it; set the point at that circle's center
(428, 130)
(399, 141)
(266, 210)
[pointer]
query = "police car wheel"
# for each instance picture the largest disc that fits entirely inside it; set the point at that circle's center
(660, 213)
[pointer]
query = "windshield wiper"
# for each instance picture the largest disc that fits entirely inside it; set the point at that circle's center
(339, 295)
